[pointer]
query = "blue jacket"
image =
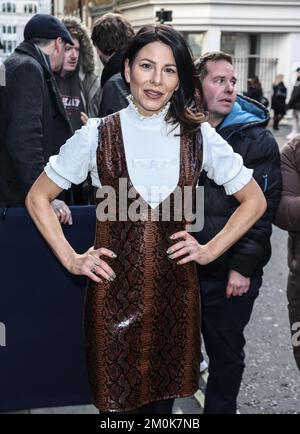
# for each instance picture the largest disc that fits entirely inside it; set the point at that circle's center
(245, 130)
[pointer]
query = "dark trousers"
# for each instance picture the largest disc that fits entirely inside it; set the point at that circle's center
(224, 321)
(277, 118)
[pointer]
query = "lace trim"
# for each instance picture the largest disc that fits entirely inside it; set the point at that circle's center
(160, 115)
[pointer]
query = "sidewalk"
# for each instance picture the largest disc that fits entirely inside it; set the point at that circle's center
(181, 406)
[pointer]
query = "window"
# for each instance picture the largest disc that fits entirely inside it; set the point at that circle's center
(9, 7)
(9, 46)
(30, 8)
(228, 43)
(195, 41)
(9, 29)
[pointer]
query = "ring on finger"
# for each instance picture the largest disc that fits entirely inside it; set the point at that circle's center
(93, 269)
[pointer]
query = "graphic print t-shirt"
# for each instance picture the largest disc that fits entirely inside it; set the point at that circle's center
(70, 93)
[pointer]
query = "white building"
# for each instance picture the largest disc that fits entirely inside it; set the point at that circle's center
(14, 14)
(58, 6)
(262, 35)
(44, 6)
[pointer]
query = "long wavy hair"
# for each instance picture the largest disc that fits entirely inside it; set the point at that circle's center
(187, 101)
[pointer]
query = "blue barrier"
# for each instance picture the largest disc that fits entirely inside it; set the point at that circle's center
(42, 362)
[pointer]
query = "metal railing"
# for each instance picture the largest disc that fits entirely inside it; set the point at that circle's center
(263, 67)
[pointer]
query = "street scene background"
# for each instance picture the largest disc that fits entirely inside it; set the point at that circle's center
(271, 382)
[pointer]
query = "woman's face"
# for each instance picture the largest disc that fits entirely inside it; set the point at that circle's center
(153, 77)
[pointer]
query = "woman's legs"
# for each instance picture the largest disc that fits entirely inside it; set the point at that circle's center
(276, 120)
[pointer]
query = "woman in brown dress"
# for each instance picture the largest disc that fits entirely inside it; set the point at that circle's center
(142, 316)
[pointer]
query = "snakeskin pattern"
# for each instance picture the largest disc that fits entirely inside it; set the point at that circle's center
(142, 331)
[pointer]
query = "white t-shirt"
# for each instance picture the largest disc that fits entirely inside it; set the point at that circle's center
(152, 150)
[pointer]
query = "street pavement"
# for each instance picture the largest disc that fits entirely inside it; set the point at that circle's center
(271, 381)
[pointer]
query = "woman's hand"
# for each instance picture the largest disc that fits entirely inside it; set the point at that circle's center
(189, 246)
(89, 264)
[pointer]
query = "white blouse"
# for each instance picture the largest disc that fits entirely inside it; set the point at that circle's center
(152, 150)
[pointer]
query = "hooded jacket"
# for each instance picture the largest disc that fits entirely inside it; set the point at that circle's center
(89, 81)
(288, 218)
(33, 122)
(244, 128)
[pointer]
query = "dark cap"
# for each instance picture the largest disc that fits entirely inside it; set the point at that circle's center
(298, 69)
(43, 26)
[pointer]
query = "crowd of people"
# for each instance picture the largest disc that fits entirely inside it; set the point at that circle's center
(164, 122)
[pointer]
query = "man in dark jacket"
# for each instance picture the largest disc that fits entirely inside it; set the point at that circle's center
(34, 123)
(230, 284)
(294, 103)
(111, 34)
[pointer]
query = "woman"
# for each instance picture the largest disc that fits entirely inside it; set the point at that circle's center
(142, 306)
(278, 100)
(288, 218)
(255, 91)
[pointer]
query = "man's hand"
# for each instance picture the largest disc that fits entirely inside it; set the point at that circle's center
(62, 211)
(237, 284)
(84, 118)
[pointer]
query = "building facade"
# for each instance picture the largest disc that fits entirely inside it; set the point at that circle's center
(14, 14)
(262, 35)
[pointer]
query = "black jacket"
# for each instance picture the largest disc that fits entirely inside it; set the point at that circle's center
(114, 89)
(113, 66)
(114, 96)
(279, 97)
(294, 102)
(255, 93)
(245, 130)
(33, 122)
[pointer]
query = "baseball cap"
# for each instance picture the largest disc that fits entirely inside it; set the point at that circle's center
(45, 26)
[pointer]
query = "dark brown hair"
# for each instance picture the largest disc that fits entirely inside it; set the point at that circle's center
(112, 32)
(184, 108)
(213, 56)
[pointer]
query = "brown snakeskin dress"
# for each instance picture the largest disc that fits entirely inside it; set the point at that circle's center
(142, 331)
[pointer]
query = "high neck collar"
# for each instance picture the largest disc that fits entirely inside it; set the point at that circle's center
(155, 119)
